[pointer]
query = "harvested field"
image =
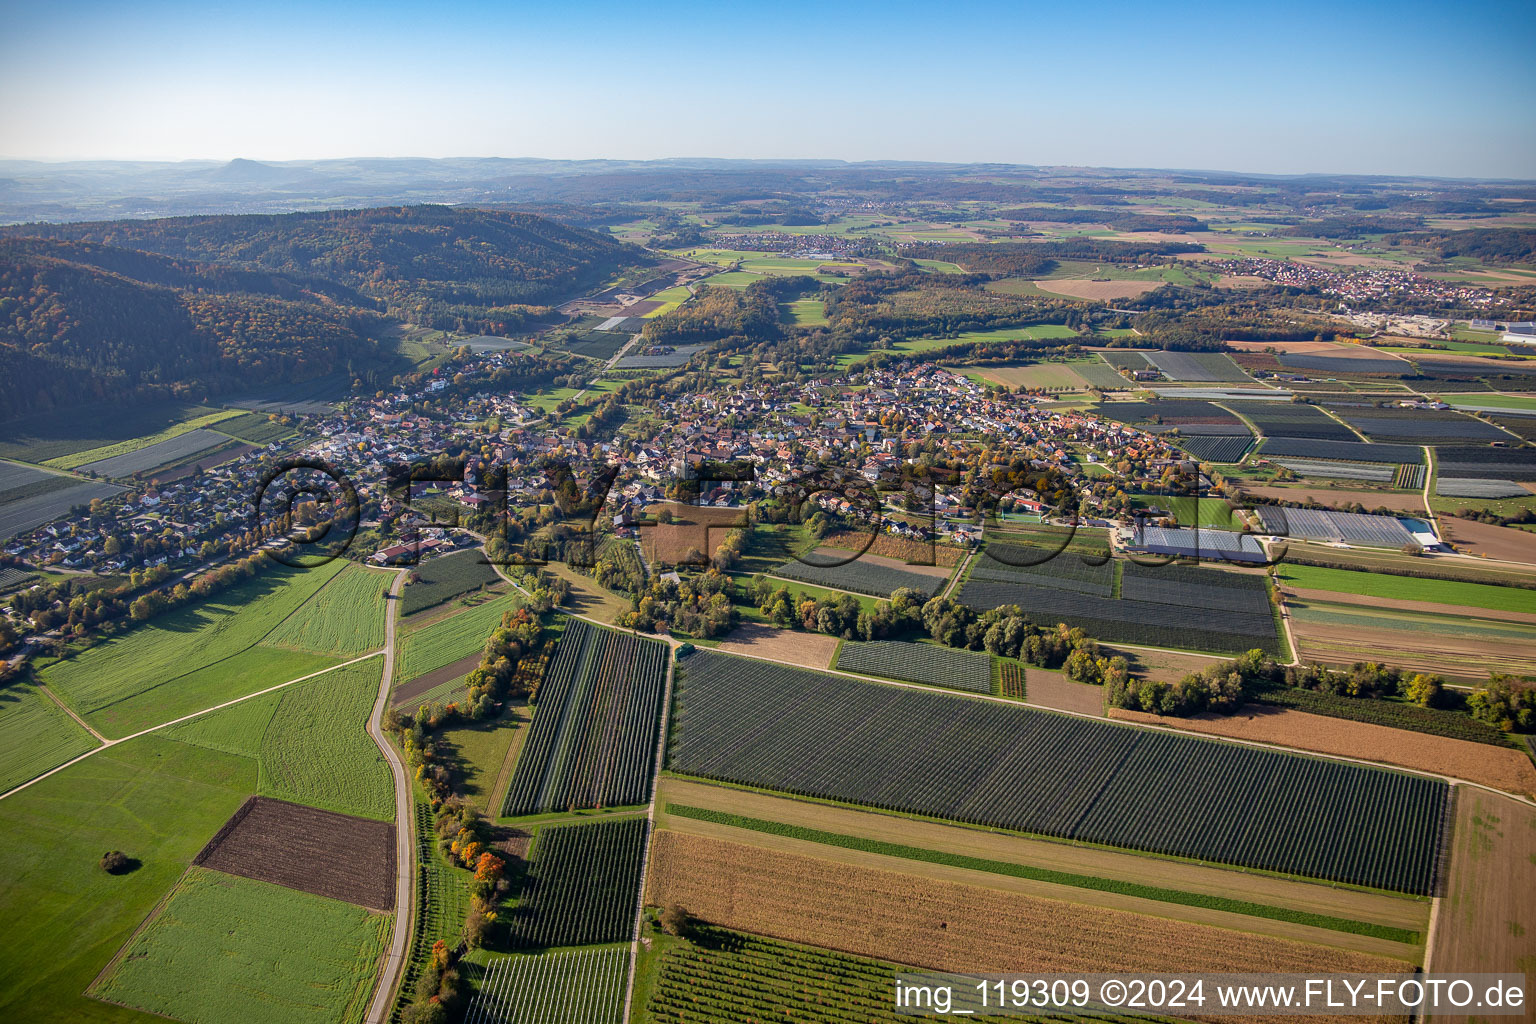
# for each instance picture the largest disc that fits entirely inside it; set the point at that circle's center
(906, 552)
(1059, 376)
(695, 530)
(1500, 767)
(1240, 281)
(1051, 689)
(1339, 635)
(788, 646)
(1501, 542)
(1164, 666)
(837, 556)
(305, 848)
(410, 690)
(1323, 495)
(951, 926)
(1078, 288)
(1307, 897)
(1487, 918)
(208, 460)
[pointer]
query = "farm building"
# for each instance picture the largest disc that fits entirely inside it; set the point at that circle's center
(1194, 543)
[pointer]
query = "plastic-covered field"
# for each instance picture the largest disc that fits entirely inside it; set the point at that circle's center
(1326, 525)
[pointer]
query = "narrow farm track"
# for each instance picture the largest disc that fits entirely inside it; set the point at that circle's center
(954, 581)
(70, 712)
(405, 839)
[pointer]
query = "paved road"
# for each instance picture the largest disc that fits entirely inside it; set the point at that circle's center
(405, 842)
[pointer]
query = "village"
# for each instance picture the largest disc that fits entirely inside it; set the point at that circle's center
(869, 428)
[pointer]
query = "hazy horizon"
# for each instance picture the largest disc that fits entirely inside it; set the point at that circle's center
(1406, 89)
(222, 161)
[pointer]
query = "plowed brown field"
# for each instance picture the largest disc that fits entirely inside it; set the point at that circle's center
(950, 926)
(1487, 917)
(787, 646)
(694, 530)
(305, 848)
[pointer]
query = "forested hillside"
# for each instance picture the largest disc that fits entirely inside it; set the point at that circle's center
(89, 323)
(440, 266)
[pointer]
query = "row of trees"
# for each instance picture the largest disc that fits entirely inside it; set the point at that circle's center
(1228, 685)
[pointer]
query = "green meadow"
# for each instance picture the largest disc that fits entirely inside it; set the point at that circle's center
(193, 657)
(250, 947)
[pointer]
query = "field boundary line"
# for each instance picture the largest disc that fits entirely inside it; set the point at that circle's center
(70, 712)
(185, 718)
(404, 924)
(122, 951)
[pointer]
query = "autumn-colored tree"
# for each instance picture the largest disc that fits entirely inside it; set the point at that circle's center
(489, 867)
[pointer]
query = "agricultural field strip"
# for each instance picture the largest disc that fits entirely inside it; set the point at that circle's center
(237, 935)
(1410, 588)
(171, 449)
(859, 577)
(581, 885)
(598, 704)
(896, 915)
(1394, 910)
(1154, 893)
(524, 989)
(736, 747)
(185, 642)
(919, 663)
(187, 718)
(741, 978)
(1170, 602)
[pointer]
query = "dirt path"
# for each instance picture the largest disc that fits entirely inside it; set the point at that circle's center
(67, 710)
(405, 839)
(954, 581)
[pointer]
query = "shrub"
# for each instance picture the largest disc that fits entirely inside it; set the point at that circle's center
(674, 920)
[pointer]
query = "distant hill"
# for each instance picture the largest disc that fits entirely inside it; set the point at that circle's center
(82, 322)
(446, 267)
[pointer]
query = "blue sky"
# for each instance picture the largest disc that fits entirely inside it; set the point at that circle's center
(1398, 88)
